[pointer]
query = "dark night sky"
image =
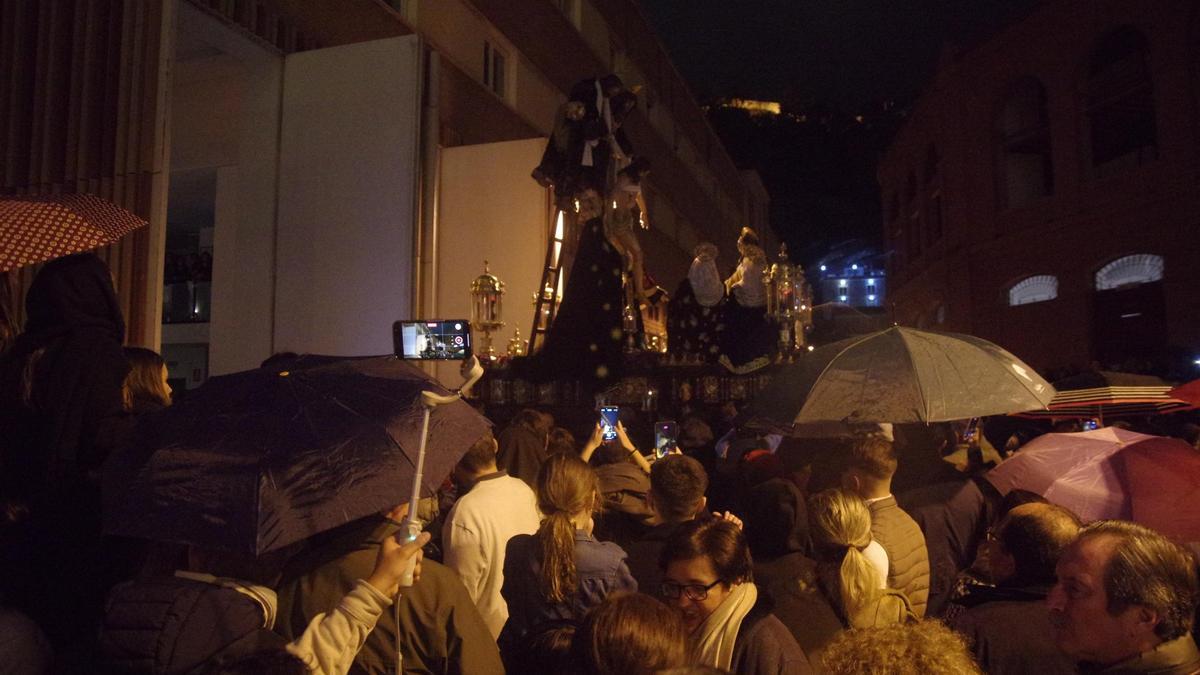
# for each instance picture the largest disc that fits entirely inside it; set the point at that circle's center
(839, 52)
(828, 59)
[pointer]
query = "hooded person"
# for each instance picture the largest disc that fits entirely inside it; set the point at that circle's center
(523, 445)
(61, 414)
(693, 312)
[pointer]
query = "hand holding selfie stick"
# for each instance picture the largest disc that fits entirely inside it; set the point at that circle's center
(471, 371)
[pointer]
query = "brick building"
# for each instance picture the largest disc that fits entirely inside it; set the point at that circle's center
(1044, 192)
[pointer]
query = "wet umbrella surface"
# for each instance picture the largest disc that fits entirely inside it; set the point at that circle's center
(256, 460)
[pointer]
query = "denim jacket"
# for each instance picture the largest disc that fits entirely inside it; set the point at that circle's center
(600, 567)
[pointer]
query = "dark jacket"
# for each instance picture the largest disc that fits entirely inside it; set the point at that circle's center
(600, 569)
(1009, 631)
(440, 629)
(953, 517)
(908, 558)
(764, 646)
(624, 517)
(644, 554)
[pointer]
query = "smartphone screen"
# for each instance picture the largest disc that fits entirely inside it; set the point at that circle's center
(968, 434)
(438, 340)
(608, 421)
(666, 437)
(1091, 425)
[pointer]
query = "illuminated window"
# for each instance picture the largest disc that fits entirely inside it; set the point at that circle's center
(495, 64)
(1130, 271)
(1033, 289)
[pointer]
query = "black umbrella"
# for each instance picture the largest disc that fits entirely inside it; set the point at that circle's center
(256, 460)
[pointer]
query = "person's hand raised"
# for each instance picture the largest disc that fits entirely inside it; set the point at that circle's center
(392, 561)
(729, 517)
(624, 438)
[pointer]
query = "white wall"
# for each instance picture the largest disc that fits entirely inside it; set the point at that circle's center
(490, 208)
(347, 167)
(225, 114)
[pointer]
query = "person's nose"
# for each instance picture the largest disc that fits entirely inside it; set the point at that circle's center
(1056, 599)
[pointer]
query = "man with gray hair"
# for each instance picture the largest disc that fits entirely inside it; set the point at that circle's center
(1125, 601)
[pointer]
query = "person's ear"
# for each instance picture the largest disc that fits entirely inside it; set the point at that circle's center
(1143, 620)
(650, 502)
(703, 506)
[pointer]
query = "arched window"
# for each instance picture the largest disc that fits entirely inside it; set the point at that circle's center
(1131, 270)
(1120, 102)
(933, 194)
(912, 208)
(1026, 169)
(1029, 290)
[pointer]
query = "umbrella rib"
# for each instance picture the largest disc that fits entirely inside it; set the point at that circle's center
(829, 364)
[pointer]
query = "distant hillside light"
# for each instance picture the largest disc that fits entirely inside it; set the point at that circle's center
(755, 107)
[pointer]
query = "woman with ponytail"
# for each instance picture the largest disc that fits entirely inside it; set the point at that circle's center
(560, 572)
(851, 567)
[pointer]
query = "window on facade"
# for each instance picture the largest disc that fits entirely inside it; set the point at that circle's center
(1033, 289)
(933, 195)
(1130, 271)
(1025, 170)
(1120, 102)
(494, 64)
(912, 207)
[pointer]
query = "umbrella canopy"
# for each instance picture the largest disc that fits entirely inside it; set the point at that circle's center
(901, 375)
(1189, 392)
(35, 229)
(1111, 473)
(1106, 394)
(256, 460)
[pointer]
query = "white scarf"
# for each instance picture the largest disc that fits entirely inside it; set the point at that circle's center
(713, 640)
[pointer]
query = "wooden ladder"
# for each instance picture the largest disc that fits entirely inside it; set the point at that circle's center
(550, 291)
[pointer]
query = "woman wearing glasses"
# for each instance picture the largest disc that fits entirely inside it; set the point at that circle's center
(708, 579)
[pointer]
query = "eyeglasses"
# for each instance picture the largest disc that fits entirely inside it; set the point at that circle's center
(693, 592)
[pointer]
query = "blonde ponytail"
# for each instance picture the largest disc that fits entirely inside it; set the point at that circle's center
(566, 486)
(840, 524)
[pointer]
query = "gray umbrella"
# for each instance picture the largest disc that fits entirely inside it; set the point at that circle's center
(901, 375)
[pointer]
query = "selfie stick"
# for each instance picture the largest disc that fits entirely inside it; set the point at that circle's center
(471, 371)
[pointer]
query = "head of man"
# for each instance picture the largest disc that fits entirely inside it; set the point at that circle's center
(1122, 590)
(677, 486)
(479, 460)
(870, 463)
(1024, 547)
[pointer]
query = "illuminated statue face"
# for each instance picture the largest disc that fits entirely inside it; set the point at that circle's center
(589, 205)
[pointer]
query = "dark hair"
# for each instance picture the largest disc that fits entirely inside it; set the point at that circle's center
(678, 484)
(562, 441)
(609, 452)
(872, 455)
(546, 648)
(695, 433)
(540, 422)
(776, 519)
(716, 539)
(1146, 569)
(1035, 535)
(262, 662)
(480, 455)
(629, 634)
(144, 380)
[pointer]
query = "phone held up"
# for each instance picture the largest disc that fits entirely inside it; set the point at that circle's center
(432, 339)
(666, 437)
(608, 421)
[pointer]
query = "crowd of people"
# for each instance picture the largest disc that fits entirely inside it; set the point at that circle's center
(554, 550)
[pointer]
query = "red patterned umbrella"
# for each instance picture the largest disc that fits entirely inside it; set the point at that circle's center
(35, 229)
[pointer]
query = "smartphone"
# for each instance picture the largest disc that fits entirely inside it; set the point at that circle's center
(1091, 425)
(666, 437)
(437, 340)
(968, 434)
(608, 421)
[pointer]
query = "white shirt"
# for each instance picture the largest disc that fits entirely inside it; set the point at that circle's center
(879, 560)
(476, 534)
